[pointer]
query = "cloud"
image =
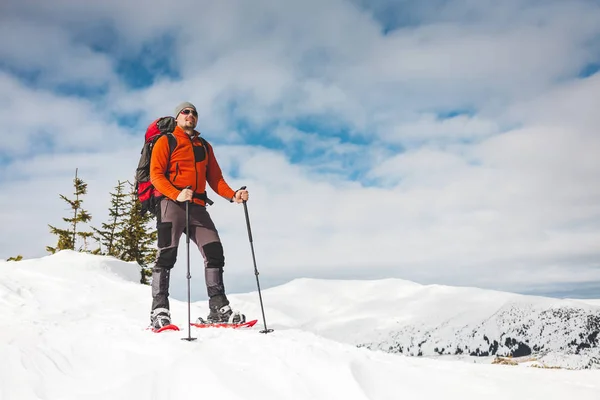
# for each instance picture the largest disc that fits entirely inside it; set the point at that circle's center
(452, 142)
(49, 57)
(47, 122)
(428, 128)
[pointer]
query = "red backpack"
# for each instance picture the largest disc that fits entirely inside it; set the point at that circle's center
(146, 192)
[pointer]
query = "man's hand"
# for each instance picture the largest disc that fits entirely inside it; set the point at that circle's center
(241, 196)
(185, 195)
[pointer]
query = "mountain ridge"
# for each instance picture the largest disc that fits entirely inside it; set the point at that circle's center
(434, 320)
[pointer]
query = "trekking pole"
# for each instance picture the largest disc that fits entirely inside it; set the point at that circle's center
(255, 269)
(189, 275)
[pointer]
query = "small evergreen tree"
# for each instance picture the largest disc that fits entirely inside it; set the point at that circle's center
(17, 258)
(109, 236)
(65, 240)
(67, 237)
(137, 238)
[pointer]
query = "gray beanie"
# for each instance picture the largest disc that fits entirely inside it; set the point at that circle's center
(182, 106)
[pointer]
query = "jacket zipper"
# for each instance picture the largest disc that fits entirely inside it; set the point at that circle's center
(176, 171)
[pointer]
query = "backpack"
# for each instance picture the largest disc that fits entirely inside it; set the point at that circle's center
(147, 194)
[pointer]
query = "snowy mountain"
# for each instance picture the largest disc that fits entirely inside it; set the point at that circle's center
(404, 317)
(73, 326)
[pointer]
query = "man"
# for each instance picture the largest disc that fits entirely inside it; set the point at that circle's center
(181, 179)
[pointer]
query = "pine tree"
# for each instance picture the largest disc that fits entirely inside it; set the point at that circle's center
(109, 236)
(67, 237)
(17, 258)
(65, 240)
(137, 238)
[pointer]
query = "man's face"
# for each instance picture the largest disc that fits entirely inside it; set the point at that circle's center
(187, 118)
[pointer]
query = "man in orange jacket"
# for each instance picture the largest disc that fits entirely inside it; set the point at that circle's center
(182, 178)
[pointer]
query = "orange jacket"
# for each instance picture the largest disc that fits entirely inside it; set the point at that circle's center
(189, 166)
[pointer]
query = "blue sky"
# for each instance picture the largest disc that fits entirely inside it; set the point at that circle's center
(449, 142)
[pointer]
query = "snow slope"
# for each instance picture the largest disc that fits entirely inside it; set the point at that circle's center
(72, 326)
(404, 317)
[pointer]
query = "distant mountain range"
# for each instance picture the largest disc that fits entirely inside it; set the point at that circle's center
(430, 320)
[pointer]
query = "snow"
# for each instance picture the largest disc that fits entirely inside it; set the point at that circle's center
(73, 326)
(401, 316)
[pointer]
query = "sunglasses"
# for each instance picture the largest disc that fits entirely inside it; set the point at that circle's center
(188, 111)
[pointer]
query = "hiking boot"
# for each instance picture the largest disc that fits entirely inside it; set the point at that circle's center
(225, 315)
(160, 317)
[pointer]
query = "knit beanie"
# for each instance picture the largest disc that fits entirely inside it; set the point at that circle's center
(182, 106)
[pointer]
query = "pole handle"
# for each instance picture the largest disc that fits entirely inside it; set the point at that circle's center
(243, 188)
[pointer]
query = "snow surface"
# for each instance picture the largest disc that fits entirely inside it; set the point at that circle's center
(73, 326)
(404, 317)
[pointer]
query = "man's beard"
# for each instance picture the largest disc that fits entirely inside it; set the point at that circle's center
(189, 125)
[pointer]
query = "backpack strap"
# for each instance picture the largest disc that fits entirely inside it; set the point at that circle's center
(203, 195)
(166, 126)
(172, 144)
(204, 143)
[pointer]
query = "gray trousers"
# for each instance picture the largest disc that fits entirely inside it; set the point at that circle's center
(170, 226)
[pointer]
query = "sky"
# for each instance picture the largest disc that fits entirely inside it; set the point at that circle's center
(450, 142)
(73, 326)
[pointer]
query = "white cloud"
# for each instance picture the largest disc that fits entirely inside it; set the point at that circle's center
(429, 127)
(49, 122)
(51, 55)
(505, 196)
